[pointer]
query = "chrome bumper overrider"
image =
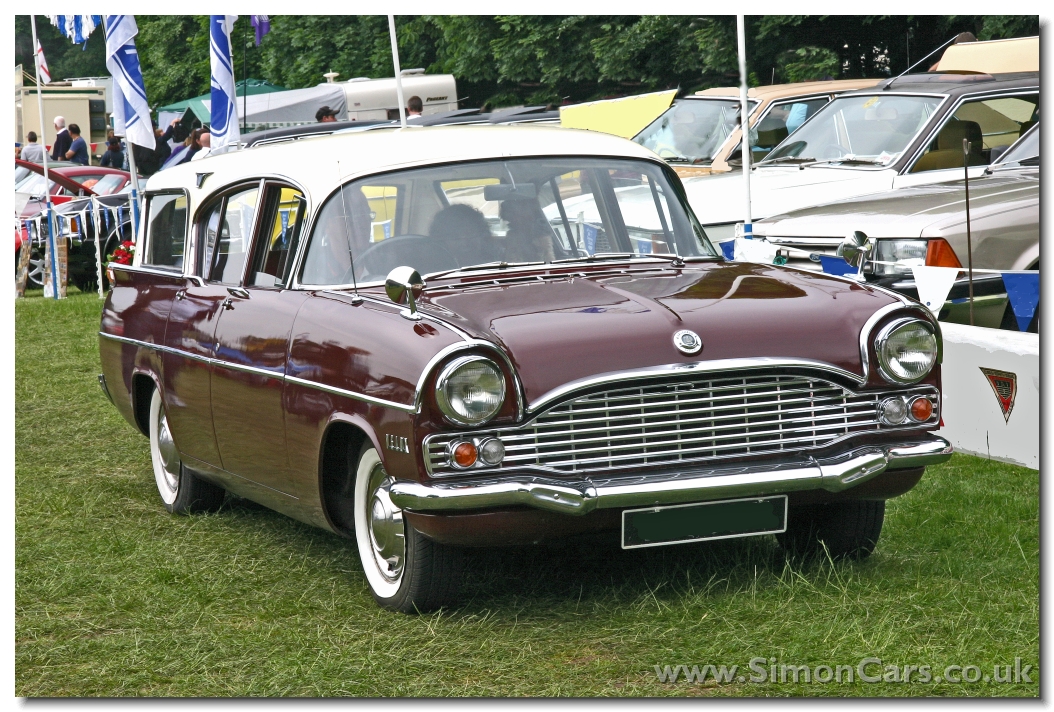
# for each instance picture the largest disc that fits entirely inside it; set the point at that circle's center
(580, 496)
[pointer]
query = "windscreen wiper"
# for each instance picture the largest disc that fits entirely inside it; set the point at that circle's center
(847, 162)
(485, 265)
(786, 159)
(598, 256)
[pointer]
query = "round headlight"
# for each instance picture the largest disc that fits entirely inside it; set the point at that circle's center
(470, 390)
(907, 350)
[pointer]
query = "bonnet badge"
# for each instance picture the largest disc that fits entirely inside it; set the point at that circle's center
(687, 342)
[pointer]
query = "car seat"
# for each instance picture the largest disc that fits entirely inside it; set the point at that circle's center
(949, 152)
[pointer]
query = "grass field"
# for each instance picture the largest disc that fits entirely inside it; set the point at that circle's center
(115, 597)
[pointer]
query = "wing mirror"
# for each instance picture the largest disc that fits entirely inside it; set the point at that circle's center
(403, 286)
(855, 249)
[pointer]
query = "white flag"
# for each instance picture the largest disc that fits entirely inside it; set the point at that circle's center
(45, 75)
(933, 284)
(131, 112)
(754, 250)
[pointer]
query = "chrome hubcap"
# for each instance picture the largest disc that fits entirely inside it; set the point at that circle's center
(166, 448)
(387, 534)
(36, 271)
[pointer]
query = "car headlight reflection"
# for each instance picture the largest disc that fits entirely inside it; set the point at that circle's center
(907, 350)
(470, 390)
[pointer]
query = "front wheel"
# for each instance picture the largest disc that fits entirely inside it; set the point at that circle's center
(182, 492)
(406, 571)
(845, 530)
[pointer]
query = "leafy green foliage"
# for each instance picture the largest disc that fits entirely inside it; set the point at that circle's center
(510, 59)
(808, 64)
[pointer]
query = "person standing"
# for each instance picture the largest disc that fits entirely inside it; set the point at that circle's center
(62, 140)
(206, 146)
(32, 151)
(114, 156)
(325, 115)
(78, 151)
(414, 107)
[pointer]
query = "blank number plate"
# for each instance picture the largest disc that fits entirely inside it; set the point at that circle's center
(683, 523)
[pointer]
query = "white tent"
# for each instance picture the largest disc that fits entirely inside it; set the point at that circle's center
(277, 109)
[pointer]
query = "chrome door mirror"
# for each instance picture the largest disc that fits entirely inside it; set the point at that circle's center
(855, 249)
(403, 286)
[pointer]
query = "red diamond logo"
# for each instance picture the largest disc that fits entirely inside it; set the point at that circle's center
(1004, 385)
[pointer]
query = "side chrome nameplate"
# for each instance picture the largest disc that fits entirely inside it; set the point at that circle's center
(397, 443)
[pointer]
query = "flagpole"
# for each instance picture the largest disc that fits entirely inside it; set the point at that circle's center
(398, 72)
(744, 120)
(134, 212)
(97, 224)
(245, 78)
(969, 241)
(47, 181)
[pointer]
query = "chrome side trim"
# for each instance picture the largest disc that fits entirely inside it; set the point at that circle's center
(247, 369)
(350, 394)
(263, 372)
(157, 271)
(728, 364)
(468, 341)
(580, 496)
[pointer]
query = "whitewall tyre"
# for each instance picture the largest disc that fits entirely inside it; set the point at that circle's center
(405, 571)
(181, 490)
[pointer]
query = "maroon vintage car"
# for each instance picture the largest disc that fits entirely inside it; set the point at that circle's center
(580, 359)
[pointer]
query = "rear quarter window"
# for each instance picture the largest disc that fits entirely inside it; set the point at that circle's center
(166, 231)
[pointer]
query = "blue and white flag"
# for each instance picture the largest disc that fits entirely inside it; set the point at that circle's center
(131, 113)
(223, 124)
(76, 27)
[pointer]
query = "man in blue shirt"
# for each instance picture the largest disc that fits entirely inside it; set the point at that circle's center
(78, 152)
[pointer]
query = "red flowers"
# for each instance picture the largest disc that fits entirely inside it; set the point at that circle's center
(123, 254)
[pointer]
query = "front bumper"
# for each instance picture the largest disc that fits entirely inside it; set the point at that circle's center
(584, 495)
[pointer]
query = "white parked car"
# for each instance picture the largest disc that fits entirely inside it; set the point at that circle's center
(905, 131)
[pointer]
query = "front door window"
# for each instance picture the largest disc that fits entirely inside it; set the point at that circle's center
(987, 124)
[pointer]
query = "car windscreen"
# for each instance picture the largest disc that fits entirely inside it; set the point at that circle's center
(858, 129)
(33, 185)
(692, 130)
(1024, 149)
(108, 184)
(536, 210)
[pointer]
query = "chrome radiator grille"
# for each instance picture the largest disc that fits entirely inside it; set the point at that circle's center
(666, 423)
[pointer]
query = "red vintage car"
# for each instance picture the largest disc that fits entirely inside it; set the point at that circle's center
(577, 357)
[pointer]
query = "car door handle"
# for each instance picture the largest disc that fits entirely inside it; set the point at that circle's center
(181, 295)
(238, 292)
(227, 303)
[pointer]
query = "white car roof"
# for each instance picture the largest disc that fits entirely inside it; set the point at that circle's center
(312, 162)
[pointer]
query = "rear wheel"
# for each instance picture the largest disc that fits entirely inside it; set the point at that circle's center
(182, 491)
(846, 530)
(406, 571)
(35, 277)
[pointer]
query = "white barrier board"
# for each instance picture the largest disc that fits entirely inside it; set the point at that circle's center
(990, 381)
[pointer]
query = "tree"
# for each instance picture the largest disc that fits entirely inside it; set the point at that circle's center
(513, 59)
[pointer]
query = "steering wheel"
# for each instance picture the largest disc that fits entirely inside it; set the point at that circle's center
(833, 150)
(382, 257)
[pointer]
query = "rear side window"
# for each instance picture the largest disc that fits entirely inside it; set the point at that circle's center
(166, 231)
(226, 232)
(276, 244)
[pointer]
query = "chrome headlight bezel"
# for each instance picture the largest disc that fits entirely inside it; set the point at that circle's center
(442, 397)
(884, 368)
